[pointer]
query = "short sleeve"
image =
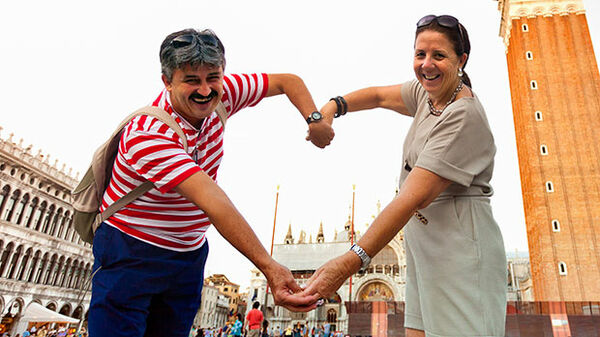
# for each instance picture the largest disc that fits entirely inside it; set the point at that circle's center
(244, 90)
(412, 94)
(460, 147)
(152, 150)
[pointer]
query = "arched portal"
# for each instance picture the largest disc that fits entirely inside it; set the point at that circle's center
(376, 291)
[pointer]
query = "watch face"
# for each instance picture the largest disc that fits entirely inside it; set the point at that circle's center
(316, 115)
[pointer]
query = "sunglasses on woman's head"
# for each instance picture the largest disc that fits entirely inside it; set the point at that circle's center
(447, 21)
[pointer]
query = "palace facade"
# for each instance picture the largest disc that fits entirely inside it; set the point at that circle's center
(42, 258)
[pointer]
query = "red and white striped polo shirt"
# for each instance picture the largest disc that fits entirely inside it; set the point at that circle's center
(150, 150)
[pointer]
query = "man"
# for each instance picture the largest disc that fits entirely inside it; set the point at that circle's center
(150, 255)
(253, 321)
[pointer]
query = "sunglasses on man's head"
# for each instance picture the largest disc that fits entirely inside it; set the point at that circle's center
(187, 39)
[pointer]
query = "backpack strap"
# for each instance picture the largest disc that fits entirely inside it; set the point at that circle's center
(222, 113)
(146, 186)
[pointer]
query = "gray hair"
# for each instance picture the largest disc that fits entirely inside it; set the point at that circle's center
(196, 53)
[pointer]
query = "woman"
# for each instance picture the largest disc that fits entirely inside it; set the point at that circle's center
(456, 264)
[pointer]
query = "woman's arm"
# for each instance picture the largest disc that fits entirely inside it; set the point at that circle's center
(419, 189)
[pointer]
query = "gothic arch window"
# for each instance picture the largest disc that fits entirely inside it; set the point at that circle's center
(51, 306)
(56, 271)
(23, 266)
(30, 211)
(38, 216)
(19, 212)
(48, 219)
(40, 270)
(11, 204)
(4, 196)
(14, 261)
(55, 221)
(5, 257)
(71, 274)
(62, 224)
(31, 272)
(50, 270)
(65, 273)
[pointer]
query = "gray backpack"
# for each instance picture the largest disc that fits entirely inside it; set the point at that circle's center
(87, 196)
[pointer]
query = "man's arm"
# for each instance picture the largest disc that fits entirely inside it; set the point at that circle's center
(319, 133)
(200, 189)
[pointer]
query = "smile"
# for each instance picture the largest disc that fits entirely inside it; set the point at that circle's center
(201, 99)
(431, 78)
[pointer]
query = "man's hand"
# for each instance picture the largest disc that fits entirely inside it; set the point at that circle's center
(330, 276)
(286, 291)
(320, 133)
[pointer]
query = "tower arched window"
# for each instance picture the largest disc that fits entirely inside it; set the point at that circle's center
(529, 55)
(562, 268)
(555, 226)
(533, 85)
(538, 116)
(549, 187)
(525, 27)
(544, 150)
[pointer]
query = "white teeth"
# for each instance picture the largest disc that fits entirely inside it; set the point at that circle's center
(201, 101)
(430, 78)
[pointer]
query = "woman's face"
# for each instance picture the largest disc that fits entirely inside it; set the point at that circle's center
(436, 64)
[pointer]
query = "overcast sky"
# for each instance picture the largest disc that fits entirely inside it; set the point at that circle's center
(73, 69)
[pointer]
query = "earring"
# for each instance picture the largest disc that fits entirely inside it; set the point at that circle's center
(460, 72)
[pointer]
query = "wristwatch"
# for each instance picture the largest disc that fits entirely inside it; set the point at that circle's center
(314, 116)
(363, 256)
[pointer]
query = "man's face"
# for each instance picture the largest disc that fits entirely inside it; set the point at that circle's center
(195, 91)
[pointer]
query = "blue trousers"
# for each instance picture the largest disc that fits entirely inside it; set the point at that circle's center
(143, 290)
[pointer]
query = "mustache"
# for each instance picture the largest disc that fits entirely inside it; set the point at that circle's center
(212, 95)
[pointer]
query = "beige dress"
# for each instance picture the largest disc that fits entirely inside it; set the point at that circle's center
(456, 264)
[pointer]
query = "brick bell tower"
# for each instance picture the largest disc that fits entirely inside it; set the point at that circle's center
(555, 89)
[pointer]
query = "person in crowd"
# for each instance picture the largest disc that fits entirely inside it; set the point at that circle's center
(149, 256)
(253, 320)
(456, 263)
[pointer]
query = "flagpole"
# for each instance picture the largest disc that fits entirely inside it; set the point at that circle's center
(272, 242)
(351, 238)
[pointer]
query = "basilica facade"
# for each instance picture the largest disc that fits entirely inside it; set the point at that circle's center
(384, 279)
(43, 262)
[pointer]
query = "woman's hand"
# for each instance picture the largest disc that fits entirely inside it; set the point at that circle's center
(286, 292)
(330, 276)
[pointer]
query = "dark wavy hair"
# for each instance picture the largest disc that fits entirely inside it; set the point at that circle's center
(459, 38)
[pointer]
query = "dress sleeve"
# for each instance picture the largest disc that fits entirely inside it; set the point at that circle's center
(154, 152)
(460, 147)
(412, 94)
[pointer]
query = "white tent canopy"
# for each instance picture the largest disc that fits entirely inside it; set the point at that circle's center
(36, 312)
